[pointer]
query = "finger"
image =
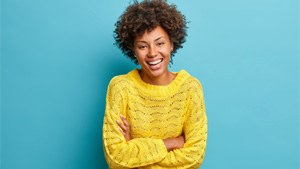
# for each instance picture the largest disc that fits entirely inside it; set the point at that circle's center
(122, 132)
(126, 123)
(123, 127)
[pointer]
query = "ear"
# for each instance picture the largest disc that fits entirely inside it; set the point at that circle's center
(131, 48)
(133, 53)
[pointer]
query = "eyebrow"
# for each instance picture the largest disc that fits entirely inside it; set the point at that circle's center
(159, 38)
(154, 40)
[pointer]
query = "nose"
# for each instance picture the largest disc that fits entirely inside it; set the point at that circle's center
(152, 52)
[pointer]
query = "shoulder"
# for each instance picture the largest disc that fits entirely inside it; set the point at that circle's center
(121, 81)
(117, 80)
(194, 90)
(190, 80)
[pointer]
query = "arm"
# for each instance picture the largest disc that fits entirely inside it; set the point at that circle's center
(118, 152)
(170, 143)
(174, 143)
(195, 132)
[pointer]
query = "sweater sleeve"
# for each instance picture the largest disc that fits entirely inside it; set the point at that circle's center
(119, 153)
(195, 131)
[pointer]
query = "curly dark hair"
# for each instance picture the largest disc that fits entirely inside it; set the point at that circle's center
(146, 15)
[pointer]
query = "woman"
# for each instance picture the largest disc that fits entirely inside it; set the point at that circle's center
(154, 118)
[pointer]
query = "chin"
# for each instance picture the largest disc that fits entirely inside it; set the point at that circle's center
(157, 72)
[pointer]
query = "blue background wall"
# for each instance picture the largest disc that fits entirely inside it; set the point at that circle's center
(58, 57)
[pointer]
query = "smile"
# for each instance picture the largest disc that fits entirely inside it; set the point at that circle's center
(154, 62)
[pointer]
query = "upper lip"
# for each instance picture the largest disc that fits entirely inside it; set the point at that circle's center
(154, 60)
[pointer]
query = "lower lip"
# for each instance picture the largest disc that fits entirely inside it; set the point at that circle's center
(155, 67)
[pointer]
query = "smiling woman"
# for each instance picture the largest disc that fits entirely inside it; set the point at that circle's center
(154, 118)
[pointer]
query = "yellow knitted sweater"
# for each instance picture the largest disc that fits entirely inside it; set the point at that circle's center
(154, 113)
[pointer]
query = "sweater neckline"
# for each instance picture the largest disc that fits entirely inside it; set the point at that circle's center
(157, 90)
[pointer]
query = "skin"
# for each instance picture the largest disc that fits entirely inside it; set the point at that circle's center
(153, 52)
(150, 47)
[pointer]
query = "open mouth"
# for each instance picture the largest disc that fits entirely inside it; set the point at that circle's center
(155, 62)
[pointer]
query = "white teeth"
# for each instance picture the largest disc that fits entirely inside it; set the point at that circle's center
(155, 62)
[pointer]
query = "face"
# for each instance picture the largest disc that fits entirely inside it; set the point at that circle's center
(153, 51)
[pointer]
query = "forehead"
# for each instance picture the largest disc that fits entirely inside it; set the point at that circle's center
(155, 34)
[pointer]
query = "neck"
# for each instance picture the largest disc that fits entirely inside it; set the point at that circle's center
(162, 80)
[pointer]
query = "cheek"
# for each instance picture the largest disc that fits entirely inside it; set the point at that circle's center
(139, 58)
(166, 52)
(139, 53)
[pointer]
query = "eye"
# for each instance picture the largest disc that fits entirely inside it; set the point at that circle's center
(160, 43)
(142, 47)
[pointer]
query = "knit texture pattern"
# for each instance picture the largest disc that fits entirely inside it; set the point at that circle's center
(154, 113)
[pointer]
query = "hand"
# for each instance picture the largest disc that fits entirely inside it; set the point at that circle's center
(174, 143)
(125, 128)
